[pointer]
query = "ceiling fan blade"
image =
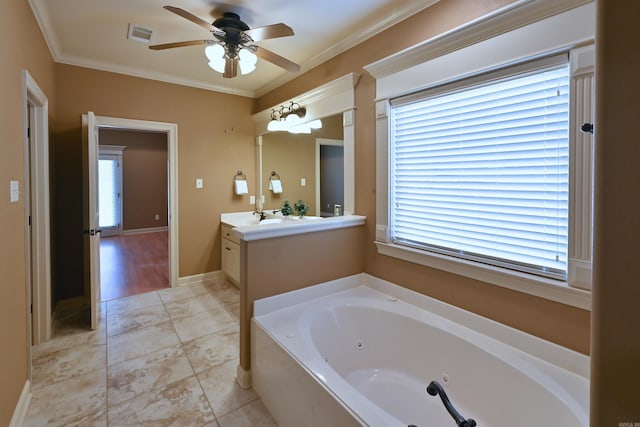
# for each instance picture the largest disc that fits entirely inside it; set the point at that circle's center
(191, 17)
(181, 44)
(276, 59)
(269, 32)
(231, 67)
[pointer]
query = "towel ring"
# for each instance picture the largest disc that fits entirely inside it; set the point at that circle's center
(241, 175)
(275, 175)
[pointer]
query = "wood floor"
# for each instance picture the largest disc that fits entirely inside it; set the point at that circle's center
(133, 264)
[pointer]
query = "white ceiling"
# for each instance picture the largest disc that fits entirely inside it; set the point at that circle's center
(93, 33)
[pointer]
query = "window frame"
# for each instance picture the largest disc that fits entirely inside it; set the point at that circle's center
(564, 32)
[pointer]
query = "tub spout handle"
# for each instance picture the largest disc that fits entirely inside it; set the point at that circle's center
(436, 389)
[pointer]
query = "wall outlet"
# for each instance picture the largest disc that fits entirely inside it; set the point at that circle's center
(252, 200)
(199, 183)
(157, 217)
(303, 182)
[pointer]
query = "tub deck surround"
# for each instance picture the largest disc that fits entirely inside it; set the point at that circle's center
(248, 226)
(333, 350)
(285, 254)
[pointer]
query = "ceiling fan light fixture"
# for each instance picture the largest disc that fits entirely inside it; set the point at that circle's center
(215, 54)
(247, 61)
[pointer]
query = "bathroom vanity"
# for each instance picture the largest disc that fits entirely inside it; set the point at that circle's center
(230, 246)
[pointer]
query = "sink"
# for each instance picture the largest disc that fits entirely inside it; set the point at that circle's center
(271, 221)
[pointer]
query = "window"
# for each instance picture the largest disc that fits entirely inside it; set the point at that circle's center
(426, 228)
(479, 169)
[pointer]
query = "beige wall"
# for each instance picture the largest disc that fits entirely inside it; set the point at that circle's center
(275, 266)
(216, 138)
(21, 47)
(615, 350)
(556, 322)
(144, 176)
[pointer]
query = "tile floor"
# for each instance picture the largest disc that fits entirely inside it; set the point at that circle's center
(163, 358)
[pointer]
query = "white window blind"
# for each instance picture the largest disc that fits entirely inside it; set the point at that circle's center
(479, 169)
(108, 193)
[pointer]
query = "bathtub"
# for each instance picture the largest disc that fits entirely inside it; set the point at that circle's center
(361, 351)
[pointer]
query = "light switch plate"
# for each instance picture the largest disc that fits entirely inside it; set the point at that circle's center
(252, 200)
(303, 182)
(199, 183)
(14, 190)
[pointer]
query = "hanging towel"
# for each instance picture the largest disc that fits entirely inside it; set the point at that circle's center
(275, 185)
(241, 187)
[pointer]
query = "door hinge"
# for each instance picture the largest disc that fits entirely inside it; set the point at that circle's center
(28, 132)
(29, 220)
(31, 308)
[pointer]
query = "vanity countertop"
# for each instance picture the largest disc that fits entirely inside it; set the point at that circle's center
(248, 227)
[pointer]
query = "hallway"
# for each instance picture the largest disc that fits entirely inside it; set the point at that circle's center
(131, 264)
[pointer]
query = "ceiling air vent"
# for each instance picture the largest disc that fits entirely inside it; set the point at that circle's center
(140, 34)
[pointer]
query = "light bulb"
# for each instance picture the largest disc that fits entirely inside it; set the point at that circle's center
(247, 60)
(293, 119)
(216, 54)
(276, 125)
(315, 124)
(303, 128)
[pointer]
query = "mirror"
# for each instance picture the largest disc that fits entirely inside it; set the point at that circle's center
(310, 167)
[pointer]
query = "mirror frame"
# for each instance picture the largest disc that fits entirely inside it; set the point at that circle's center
(335, 97)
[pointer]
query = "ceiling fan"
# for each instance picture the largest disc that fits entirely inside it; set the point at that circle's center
(233, 43)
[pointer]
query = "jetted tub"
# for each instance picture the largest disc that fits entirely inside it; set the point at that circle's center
(361, 351)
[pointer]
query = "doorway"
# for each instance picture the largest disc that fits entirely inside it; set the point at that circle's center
(132, 212)
(169, 133)
(329, 176)
(37, 214)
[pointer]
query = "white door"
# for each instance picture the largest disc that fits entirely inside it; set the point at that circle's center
(91, 220)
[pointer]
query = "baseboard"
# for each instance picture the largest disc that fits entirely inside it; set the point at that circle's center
(20, 412)
(201, 278)
(144, 230)
(243, 377)
(70, 304)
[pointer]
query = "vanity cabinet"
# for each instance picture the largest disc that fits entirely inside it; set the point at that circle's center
(230, 254)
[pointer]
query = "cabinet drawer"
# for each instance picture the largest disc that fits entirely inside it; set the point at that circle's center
(227, 233)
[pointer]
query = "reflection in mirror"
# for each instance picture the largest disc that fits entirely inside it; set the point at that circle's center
(310, 167)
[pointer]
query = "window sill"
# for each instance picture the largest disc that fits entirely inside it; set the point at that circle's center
(526, 283)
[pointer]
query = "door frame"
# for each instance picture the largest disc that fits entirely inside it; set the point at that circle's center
(171, 130)
(36, 200)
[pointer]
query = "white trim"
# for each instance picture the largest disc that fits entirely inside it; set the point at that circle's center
(521, 282)
(581, 168)
(243, 377)
(326, 100)
(20, 411)
(40, 250)
(171, 130)
(111, 150)
(144, 230)
(201, 278)
(526, 29)
(460, 53)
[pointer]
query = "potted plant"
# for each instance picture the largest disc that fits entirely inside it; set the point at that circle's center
(286, 209)
(301, 208)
